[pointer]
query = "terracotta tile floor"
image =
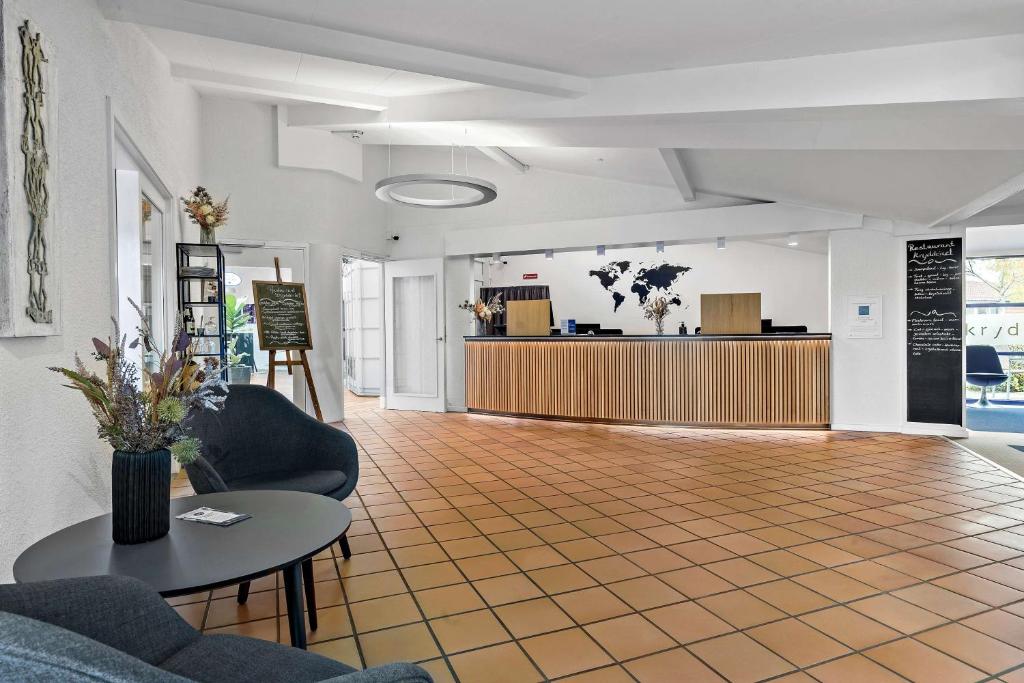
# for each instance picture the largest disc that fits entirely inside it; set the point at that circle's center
(492, 549)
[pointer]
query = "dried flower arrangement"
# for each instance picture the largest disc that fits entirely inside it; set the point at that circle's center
(205, 212)
(140, 419)
(657, 309)
(484, 312)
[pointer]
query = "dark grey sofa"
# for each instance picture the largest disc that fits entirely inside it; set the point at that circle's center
(118, 630)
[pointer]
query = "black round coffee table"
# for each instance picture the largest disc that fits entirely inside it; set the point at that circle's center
(286, 529)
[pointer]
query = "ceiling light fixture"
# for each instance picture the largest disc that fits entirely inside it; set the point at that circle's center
(480, 191)
(720, 243)
(549, 254)
(659, 247)
(792, 240)
(600, 250)
(389, 190)
(495, 258)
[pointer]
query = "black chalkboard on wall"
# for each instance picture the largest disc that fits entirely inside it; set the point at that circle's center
(282, 319)
(935, 273)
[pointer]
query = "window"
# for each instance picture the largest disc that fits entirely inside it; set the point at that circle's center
(994, 291)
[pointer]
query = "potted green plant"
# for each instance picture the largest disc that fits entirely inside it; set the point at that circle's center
(142, 418)
(235, 317)
(238, 371)
(235, 320)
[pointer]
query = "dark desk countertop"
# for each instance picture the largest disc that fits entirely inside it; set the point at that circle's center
(660, 338)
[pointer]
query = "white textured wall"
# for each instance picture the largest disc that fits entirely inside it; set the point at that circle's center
(329, 212)
(793, 283)
(458, 287)
(239, 153)
(323, 287)
(53, 470)
(869, 376)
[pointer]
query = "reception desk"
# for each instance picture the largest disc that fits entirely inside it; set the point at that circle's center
(747, 381)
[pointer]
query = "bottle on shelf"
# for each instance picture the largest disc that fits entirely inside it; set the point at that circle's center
(189, 321)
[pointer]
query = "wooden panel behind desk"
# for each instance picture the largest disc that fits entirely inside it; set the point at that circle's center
(730, 313)
(530, 318)
(740, 381)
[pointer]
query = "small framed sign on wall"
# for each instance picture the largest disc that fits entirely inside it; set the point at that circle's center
(864, 317)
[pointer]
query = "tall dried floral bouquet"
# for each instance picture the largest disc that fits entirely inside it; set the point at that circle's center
(657, 309)
(204, 211)
(140, 419)
(484, 312)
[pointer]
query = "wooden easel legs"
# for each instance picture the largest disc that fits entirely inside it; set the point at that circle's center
(304, 362)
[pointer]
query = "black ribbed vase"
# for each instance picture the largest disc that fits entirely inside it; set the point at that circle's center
(141, 496)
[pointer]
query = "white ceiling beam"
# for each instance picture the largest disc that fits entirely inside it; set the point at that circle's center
(1004, 190)
(677, 169)
(977, 70)
(314, 116)
(1000, 214)
(502, 157)
(282, 89)
(927, 127)
(255, 29)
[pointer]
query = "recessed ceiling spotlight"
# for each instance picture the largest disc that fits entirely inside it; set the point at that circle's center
(600, 160)
(659, 247)
(792, 240)
(549, 254)
(720, 243)
(600, 250)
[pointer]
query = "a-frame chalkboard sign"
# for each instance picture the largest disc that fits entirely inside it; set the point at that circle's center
(282, 324)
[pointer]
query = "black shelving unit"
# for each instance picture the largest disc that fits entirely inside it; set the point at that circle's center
(193, 294)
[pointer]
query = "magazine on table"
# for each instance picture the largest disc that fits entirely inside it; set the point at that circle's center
(206, 515)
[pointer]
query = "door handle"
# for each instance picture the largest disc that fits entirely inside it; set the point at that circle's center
(440, 339)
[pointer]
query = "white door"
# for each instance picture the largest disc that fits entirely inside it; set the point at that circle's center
(414, 334)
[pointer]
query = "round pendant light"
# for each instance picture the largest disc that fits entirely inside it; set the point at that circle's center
(481, 191)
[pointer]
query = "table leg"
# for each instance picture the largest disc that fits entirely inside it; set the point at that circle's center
(243, 592)
(346, 551)
(293, 600)
(309, 585)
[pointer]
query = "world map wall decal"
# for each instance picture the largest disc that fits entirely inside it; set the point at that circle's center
(643, 278)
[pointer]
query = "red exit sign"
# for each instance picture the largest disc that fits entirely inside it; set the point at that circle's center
(529, 276)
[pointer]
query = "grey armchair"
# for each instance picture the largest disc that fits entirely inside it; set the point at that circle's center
(260, 441)
(118, 630)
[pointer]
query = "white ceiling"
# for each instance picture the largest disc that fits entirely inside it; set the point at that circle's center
(256, 61)
(589, 38)
(912, 133)
(644, 166)
(921, 187)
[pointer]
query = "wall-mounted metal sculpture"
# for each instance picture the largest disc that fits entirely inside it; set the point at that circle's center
(37, 164)
(30, 236)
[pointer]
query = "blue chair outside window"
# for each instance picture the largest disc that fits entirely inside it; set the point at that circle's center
(984, 369)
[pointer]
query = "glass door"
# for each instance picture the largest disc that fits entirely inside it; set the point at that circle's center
(414, 337)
